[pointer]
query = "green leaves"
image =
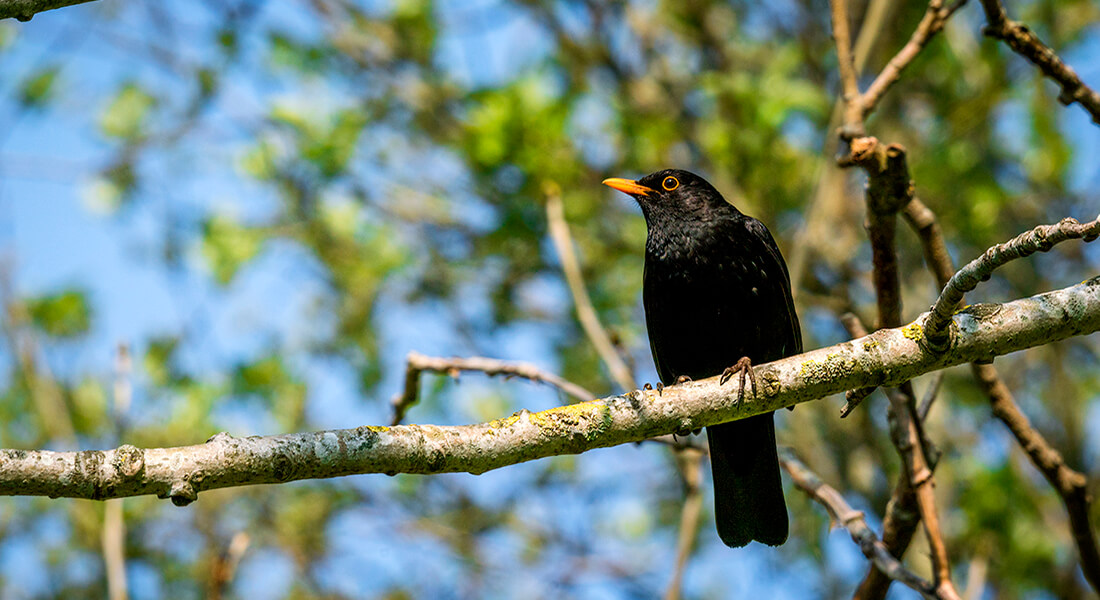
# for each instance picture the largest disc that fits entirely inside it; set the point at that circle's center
(65, 314)
(327, 143)
(126, 116)
(227, 246)
(39, 88)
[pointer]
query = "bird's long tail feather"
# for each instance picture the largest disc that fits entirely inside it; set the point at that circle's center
(748, 493)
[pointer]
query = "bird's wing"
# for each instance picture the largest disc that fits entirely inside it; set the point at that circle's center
(759, 231)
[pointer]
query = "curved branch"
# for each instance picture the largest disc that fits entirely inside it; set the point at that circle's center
(1039, 239)
(416, 363)
(886, 357)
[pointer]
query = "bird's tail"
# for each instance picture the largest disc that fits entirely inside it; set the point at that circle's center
(748, 494)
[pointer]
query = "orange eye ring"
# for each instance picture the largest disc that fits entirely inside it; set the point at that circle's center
(670, 183)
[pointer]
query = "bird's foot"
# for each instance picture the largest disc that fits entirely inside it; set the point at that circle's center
(743, 368)
(648, 386)
(660, 389)
(682, 379)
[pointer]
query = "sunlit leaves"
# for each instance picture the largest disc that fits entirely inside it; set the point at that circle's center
(326, 143)
(126, 115)
(228, 245)
(288, 52)
(39, 88)
(64, 314)
(89, 403)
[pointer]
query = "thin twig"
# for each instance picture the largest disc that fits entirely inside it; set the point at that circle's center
(853, 520)
(586, 313)
(924, 223)
(113, 546)
(930, 24)
(416, 363)
(975, 576)
(1025, 43)
(1040, 239)
(827, 204)
(858, 106)
(930, 395)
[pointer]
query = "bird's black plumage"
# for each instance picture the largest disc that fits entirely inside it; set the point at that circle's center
(716, 289)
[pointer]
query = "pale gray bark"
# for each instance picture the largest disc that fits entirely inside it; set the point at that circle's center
(884, 358)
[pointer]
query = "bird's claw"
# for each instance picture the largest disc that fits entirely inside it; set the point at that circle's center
(660, 389)
(682, 379)
(743, 368)
(648, 386)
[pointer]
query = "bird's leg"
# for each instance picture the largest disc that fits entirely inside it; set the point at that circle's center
(744, 369)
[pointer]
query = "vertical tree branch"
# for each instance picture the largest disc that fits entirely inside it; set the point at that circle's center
(889, 189)
(113, 539)
(921, 480)
(849, 82)
(690, 462)
(225, 565)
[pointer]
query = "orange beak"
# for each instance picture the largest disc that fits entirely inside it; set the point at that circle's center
(628, 186)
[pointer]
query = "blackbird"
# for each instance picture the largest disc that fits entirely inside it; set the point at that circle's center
(717, 293)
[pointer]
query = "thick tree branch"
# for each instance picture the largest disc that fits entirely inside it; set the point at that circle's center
(1025, 43)
(25, 9)
(885, 358)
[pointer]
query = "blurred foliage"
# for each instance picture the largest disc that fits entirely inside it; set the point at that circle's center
(384, 163)
(64, 314)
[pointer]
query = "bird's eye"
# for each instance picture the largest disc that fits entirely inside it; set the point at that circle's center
(670, 183)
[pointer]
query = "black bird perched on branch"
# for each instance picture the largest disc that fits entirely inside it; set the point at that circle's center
(717, 293)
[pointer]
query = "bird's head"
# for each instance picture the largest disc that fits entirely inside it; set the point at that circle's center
(674, 194)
